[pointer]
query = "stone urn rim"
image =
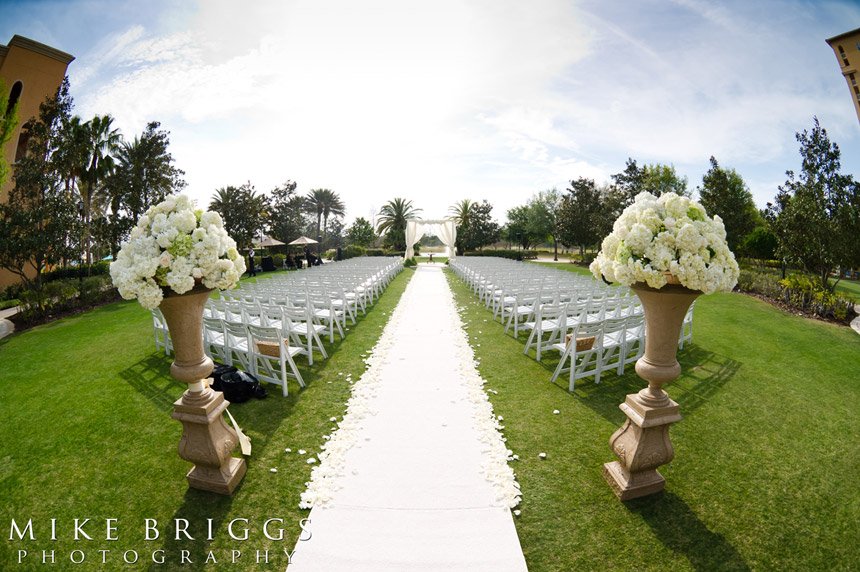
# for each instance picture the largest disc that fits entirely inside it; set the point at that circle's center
(199, 287)
(673, 285)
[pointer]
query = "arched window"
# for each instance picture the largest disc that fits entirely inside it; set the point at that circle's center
(14, 96)
(21, 150)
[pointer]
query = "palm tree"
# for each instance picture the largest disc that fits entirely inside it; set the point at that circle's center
(323, 203)
(461, 212)
(103, 142)
(392, 220)
(332, 205)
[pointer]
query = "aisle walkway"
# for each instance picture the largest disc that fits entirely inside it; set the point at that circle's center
(421, 482)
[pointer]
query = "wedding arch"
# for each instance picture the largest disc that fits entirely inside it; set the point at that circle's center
(445, 229)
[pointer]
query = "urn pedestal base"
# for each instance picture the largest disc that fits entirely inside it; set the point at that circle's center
(208, 442)
(642, 444)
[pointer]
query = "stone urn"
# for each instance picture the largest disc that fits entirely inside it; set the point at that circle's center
(207, 441)
(642, 444)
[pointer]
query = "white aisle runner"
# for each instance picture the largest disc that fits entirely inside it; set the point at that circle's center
(416, 477)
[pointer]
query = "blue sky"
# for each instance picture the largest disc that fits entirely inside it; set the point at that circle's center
(443, 100)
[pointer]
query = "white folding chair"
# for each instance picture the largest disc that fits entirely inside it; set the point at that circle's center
(270, 356)
(549, 319)
(162, 333)
(298, 322)
(236, 344)
(580, 363)
(214, 339)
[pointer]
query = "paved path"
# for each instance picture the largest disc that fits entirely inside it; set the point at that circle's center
(855, 323)
(7, 327)
(423, 486)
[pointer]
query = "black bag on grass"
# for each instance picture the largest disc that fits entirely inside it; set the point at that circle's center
(240, 386)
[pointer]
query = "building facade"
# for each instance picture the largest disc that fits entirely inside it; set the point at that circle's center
(846, 47)
(31, 71)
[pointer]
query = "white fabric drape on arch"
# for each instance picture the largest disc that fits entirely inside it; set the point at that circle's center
(445, 229)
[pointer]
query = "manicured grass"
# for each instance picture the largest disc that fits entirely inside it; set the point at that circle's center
(766, 462)
(86, 405)
(850, 288)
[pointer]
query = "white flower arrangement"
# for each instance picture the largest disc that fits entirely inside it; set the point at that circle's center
(175, 246)
(671, 234)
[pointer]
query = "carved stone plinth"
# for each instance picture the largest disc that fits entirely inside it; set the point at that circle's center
(208, 442)
(642, 444)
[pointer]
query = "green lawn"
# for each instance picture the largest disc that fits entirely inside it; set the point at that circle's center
(86, 405)
(765, 475)
(764, 478)
(850, 288)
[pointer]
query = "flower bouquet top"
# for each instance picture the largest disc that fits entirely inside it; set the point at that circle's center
(673, 235)
(175, 246)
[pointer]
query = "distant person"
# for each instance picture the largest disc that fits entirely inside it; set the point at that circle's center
(309, 257)
(339, 253)
(431, 258)
(252, 271)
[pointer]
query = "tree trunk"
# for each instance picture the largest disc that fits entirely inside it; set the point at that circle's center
(555, 248)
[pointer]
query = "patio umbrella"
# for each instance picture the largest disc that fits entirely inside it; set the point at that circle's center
(303, 240)
(269, 241)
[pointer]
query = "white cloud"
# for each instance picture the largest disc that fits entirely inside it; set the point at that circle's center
(452, 99)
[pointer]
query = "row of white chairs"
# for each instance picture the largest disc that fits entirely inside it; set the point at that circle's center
(596, 328)
(262, 327)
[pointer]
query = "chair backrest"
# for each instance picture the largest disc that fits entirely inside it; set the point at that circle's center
(213, 325)
(235, 332)
(265, 334)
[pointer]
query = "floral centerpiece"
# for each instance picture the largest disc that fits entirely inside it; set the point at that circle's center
(655, 238)
(175, 246)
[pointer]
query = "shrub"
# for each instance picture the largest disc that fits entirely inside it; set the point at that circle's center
(410, 262)
(279, 259)
(95, 289)
(511, 254)
(353, 250)
(65, 272)
(9, 303)
(798, 291)
(12, 292)
(375, 252)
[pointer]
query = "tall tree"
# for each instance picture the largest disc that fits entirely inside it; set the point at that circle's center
(287, 220)
(543, 217)
(39, 222)
(516, 229)
(479, 229)
(103, 142)
(659, 179)
(361, 233)
(724, 193)
(815, 213)
(392, 220)
(244, 212)
(629, 182)
(461, 212)
(144, 175)
(581, 215)
(324, 203)
(8, 122)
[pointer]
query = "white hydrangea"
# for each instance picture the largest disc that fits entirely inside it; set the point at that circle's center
(175, 246)
(671, 234)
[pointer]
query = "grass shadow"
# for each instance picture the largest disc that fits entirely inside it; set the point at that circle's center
(151, 378)
(196, 508)
(703, 374)
(679, 529)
